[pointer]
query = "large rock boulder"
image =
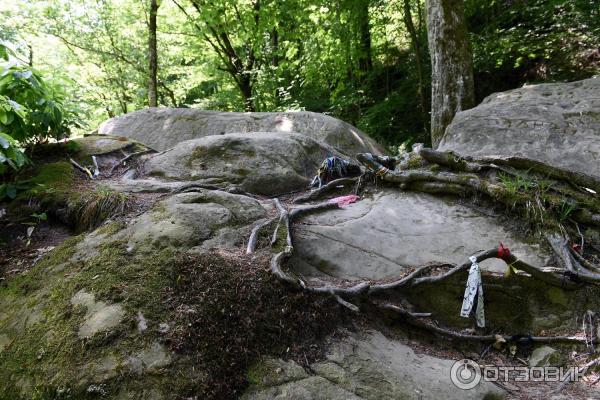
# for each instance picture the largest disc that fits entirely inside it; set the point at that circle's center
(381, 235)
(364, 366)
(207, 218)
(555, 123)
(163, 128)
(268, 163)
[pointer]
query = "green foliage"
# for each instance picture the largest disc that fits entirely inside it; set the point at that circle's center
(10, 154)
(32, 109)
(353, 59)
(565, 210)
(532, 41)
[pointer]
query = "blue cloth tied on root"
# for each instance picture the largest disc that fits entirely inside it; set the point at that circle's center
(333, 168)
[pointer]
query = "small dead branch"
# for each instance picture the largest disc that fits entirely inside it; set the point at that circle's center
(81, 168)
(195, 186)
(402, 281)
(585, 263)
(353, 291)
(127, 158)
(346, 304)
(582, 371)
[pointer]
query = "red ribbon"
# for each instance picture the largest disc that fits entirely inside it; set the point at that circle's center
(503, 252)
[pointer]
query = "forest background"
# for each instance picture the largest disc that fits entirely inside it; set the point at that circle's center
(363, 61)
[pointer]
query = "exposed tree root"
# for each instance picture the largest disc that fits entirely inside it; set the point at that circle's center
(466, 180)
(573, 268)
(413, 319)
(458, 163)
(330, 187)
(195, 186)
(255, 232)
(466, 175)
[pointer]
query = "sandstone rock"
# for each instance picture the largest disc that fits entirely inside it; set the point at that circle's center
(262, 163)
(544, 356)
(93, 145)
(150, 359)
(210, 218)
(556, 123)
(99, 315)
(371, 366)
(382, 234)
(163, 128)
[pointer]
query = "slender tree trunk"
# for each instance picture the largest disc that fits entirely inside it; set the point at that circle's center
(30, 55)
(451, 64)
(416, 46)
(153, 55)
(365, 59)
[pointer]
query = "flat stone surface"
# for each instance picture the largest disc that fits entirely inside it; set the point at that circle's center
(149, 359)
(556, 123)
(268, 163)
(380, 235)
(101, 144)
(207, 218)
(368, 366)
(99, 315)
(163, 128)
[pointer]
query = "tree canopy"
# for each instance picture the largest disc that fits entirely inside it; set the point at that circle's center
(364, 61)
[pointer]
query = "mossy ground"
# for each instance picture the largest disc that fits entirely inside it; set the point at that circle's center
(47, 359)
(58, 189)
(230, 311)
(224, 313)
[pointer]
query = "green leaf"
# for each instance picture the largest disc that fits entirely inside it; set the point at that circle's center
(5, 141)
(11, 191)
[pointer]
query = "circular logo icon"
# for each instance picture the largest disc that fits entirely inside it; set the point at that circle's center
(465, 374)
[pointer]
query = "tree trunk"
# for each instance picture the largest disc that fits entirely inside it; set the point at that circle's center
(451, 64)
(153, 56)
(245, 86)
(365, 60)
(30, 55)
(416, 46)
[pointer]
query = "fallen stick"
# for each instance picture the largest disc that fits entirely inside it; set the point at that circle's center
(126, 158)
(96, 167)
(564, 383)
(82, 169)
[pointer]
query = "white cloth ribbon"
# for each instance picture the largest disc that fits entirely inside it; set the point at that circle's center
(474, 288)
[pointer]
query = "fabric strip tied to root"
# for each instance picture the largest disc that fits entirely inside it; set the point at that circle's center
(474, 288)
